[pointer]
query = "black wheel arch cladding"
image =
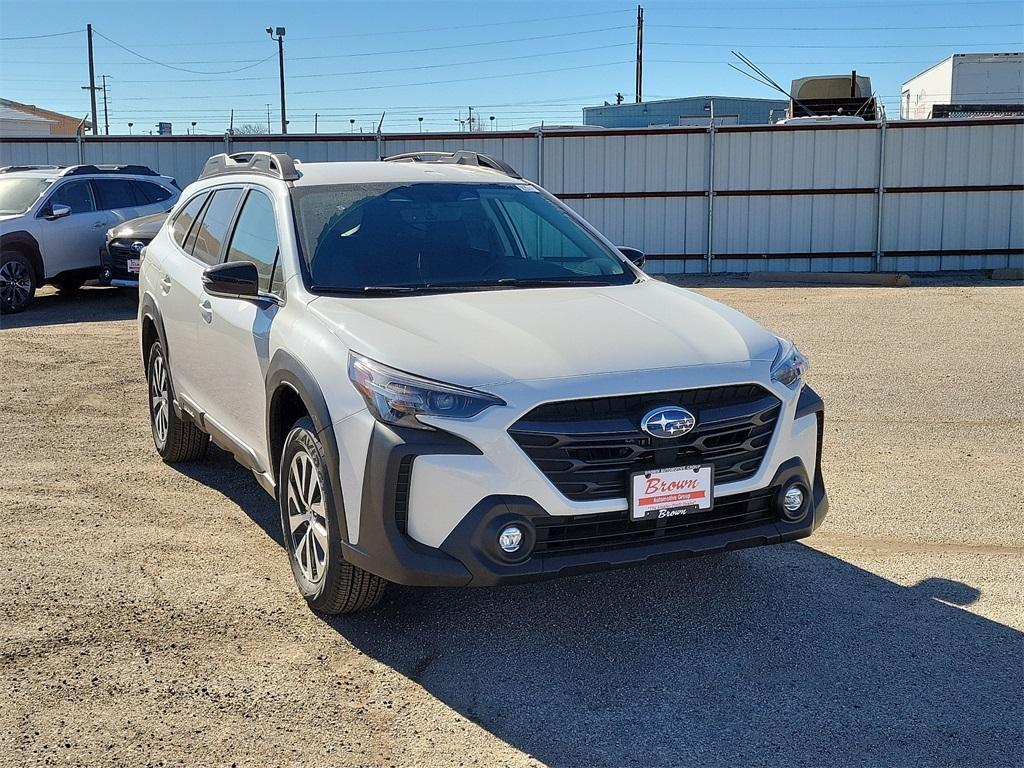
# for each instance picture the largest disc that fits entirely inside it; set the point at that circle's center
(285, 372)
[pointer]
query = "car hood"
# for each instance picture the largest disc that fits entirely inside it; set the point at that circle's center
(491, 337)
(142, 227)
(8, 218)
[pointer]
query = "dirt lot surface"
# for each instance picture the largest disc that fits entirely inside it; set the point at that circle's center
(148, 617)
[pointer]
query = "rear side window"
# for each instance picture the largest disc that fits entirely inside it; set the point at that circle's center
(183, 221)
(149, 194)
(114, 194)
(213, 229)
(255, 237)
(77, 195)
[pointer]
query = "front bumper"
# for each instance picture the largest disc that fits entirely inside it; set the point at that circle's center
(114, 268)
(559, 544)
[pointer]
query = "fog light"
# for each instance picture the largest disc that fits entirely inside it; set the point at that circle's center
(510, 539)
(793, 500)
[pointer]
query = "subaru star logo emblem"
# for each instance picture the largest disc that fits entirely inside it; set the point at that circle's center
(670, 421)
(138, 245)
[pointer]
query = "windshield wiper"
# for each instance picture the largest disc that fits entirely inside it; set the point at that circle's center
(545, 282)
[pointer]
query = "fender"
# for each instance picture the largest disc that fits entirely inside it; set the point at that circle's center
(286, 371)
(148, 310)
(23, 241)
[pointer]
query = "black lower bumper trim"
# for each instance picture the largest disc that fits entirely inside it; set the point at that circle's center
(473, 540)
(469, 556)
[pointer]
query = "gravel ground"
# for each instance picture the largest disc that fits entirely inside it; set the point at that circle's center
(149, 618)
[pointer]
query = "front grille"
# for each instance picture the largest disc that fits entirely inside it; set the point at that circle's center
(591, 533)
(589, 448)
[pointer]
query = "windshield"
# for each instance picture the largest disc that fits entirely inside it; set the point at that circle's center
(376, 238)
(17, 195)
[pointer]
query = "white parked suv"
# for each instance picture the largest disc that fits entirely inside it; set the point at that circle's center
(54, 220)
(447, 377)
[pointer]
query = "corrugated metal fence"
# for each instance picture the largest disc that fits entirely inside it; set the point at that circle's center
(909, 196)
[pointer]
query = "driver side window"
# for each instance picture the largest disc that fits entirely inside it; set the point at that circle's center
(255, 240)
(77, 195)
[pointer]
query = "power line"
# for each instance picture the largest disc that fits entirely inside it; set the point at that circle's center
(837, 29)
(39, 37)
(831, 45)
(392, 32)
(181, 69)
(402, 69)
(254, 62)
(393, 85)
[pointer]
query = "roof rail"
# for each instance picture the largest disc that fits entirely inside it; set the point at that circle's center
(276, 164)
(461, 157)
(17, 168)
(134, 170)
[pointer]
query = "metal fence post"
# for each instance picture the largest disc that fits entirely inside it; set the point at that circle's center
(709, 256)
(881, 194)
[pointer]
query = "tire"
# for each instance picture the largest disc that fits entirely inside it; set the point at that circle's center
(175, 440)
(311, 527)
(17, 282)
(68, 284)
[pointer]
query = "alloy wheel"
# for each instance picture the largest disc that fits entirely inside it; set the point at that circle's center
(307, 518)
(15, 284)
(159, 398)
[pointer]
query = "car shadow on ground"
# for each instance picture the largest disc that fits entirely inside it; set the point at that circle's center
(91, 304)
(780, 656)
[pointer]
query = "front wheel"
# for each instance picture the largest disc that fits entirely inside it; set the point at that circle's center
(17, 282)
(312, 530)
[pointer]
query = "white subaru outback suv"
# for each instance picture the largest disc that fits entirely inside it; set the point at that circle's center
(447, 377)
(54, 220)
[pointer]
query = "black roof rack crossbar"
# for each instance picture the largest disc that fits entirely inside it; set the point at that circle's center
(276, 164)
(133, 170)
(17, 168)
(461, 157)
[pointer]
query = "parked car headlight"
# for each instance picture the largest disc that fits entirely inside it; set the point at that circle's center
(398, 398)
(790, 365)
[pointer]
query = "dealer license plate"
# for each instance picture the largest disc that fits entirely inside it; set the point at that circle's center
(134, 265)
(662, 493)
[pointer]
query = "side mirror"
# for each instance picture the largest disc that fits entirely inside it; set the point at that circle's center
(635, 255)
(233, 280)
(58, 211)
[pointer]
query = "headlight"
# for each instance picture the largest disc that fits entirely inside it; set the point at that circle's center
(790, 365)
(398, 398)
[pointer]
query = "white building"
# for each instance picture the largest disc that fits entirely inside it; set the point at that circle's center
(966, 84)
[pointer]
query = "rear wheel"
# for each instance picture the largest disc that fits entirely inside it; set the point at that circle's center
(17, 282)
(175, 440)
(312, 530)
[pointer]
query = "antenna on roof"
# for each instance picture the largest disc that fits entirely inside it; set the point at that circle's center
(765, 79)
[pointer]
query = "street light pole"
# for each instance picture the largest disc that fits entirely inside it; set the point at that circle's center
(279, 32)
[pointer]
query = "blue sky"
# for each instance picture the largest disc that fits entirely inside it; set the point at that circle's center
(522, 62)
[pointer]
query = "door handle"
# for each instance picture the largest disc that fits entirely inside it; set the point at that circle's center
(206, 310)
(165, 285)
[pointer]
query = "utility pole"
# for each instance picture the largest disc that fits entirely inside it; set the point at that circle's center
(471, 119)
(639, 53)
(268, 120)
(279, 32)
(106, 119)
(316, 122)
(92, 80)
